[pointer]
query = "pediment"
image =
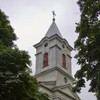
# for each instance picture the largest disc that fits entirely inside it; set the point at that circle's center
(67, 90)
(64, 90)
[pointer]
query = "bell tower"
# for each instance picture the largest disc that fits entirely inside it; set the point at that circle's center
(53, 65)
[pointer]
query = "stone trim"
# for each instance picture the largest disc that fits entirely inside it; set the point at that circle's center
(47, 82)
(69, 56)
(41, 85)
(51, 38)
(55, 46)
(38, 53)
(58, 90)
(66, 94)
(52, 69)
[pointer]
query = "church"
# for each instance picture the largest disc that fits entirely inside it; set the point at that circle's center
(53, 65)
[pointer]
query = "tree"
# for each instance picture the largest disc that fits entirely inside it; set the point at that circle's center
(16, 83)
(88, 46)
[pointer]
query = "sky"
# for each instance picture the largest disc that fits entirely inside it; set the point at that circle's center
(31, 20)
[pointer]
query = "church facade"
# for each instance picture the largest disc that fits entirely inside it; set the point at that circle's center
(53, 65)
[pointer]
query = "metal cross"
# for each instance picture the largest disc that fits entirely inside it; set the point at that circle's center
(53, 12)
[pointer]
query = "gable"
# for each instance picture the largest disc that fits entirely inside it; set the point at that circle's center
(59, 92)
(67, 90)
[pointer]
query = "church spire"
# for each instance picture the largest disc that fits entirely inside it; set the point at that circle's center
(53, 28)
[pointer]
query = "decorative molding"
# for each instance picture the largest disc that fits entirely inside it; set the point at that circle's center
(46, 87)
(51, 38)
(58, 90)
(69, 56)
(55, 46)
(53, 69)
(38, 53)
(47, 82)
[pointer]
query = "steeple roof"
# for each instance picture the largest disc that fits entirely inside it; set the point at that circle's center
(53, 30)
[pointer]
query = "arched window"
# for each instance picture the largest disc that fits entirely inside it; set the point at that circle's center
(63, 61)
(45, 60)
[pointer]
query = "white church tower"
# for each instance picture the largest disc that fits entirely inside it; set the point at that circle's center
(53, 65)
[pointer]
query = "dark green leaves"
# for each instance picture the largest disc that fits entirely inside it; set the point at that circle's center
(88, 45)
(6, 31)
(16, 83)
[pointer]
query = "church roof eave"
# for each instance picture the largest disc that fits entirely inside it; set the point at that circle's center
(48, 39)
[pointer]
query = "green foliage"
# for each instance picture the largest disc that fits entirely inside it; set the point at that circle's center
(88, 45)
(6, 31)
(42, 96)
(16, 83)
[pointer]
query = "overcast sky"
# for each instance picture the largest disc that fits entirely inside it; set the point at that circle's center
(32, 18)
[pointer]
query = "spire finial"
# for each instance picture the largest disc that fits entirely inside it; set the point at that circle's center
(53, 12)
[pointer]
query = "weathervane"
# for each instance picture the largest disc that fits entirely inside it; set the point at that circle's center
(53, 12)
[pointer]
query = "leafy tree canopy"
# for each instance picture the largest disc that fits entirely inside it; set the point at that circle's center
(16, 83)
(88, 46)
(7, 34)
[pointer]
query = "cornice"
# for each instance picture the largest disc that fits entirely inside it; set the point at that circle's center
(53, 69)
(47, 82)
(52, 38)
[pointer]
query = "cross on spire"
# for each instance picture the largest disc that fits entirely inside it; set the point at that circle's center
(53, 12)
